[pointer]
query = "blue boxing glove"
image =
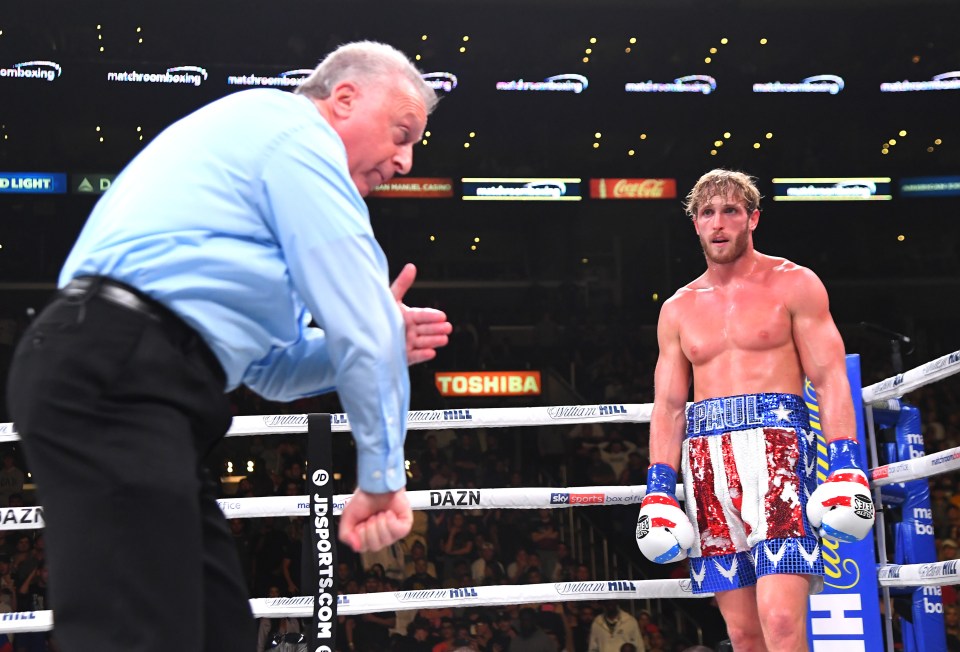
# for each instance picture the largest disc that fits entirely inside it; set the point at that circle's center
(664, 533)
(841, 507)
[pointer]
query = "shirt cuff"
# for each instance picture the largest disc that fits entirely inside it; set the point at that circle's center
(377, 474)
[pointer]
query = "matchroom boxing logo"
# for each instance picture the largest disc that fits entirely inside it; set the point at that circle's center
(288, 78)
(44, 70)
(831, 84)
(703, 84)
(189, 75)
(440, 81)
(567, 83)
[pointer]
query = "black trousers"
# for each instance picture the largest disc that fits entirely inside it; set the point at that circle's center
(116, 410)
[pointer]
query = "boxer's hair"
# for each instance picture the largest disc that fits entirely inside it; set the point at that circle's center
(724, 183)
(365, 61)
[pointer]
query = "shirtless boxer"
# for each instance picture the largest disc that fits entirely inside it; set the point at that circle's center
(746, 332)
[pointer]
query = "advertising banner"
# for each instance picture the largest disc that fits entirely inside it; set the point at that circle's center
(415, 188)
(33, 183)
(488, 383)
(514, 189)
(911, 187)
(832, 189)
(633, 188)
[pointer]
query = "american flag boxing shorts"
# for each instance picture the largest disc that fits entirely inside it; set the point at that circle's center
(749, 466)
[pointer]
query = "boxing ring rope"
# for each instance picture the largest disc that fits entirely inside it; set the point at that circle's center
(889, 575)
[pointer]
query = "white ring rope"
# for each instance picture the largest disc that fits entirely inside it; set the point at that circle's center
(892, 387)
(897, 386)
(477, 596)
(27, 518)
(910, 575)
(917, 468)
(891, 575)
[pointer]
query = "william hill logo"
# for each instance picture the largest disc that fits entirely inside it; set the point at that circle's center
(616, 586)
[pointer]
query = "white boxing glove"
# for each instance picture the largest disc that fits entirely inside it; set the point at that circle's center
(664, 533)
(841, 507)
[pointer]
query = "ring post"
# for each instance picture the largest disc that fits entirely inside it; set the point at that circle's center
(846, 615)
(320, 554)
(913, 535)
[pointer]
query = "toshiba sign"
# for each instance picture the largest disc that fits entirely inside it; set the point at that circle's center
(488, 383)
(633, 188)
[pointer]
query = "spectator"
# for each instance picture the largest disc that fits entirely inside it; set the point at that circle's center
(466, 456)
(457, 545)
(421, 578)
(581, 630)
(530, 638)
(487, 638)
(11, 479)
(598, 471)
(948, 550)
(271, 632)
(390, 558)
(448, 633)
(33, 597)
(613, 628)
(951, 619)
(418, 551)
(519, 566)
(432, 458)
(546, 538)
(486, 569)
(241, 537)
(7, 582)
(417, 638)
(372, 631)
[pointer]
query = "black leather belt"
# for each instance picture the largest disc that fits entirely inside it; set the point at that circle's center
(118, 293)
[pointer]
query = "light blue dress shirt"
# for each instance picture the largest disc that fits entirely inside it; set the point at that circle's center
(243, 219)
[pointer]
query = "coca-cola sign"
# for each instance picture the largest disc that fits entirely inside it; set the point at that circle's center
(633, 188)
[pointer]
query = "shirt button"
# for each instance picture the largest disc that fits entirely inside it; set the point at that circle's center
(377, 475)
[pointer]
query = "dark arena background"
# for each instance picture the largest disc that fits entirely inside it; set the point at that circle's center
(591, 119)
